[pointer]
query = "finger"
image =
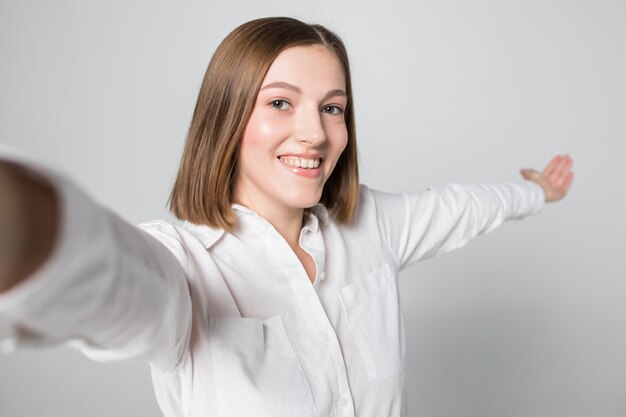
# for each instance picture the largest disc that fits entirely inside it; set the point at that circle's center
(565, 182)
(558, 169)
(531, 174)
(562, 162)
(568, 181)
(562, 174)
(560, 181)
(549, 169)
(566, 162)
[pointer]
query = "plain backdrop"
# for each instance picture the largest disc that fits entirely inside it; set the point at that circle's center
(527, 321)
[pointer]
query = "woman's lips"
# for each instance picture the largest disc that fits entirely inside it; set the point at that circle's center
(302, 172)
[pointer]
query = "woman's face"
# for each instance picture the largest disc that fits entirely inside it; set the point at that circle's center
(296, 131)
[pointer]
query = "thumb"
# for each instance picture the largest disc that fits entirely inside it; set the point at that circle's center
(531, 174)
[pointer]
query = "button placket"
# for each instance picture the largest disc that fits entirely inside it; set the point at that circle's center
(343, 402)
(325, 336)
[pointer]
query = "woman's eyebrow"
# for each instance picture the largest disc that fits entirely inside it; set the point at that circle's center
(287, 86)
(335, 93)
(282, 84)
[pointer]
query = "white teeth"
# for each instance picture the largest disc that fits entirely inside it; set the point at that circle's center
(300, 162)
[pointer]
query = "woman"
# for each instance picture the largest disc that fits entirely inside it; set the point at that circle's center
(277, 296)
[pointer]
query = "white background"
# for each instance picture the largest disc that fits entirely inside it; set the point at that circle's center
(528, 321)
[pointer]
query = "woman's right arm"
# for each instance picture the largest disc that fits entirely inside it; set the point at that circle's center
(71, 269)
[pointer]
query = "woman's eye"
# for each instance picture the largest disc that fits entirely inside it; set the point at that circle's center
(280, 104)
(334, 110)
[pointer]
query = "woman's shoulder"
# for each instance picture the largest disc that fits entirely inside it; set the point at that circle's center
(179, 234)
(371, 202)
(370, 195)
(372, 199)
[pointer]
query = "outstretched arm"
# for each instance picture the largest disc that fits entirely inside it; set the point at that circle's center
(71, 269)
(420, 225)
(555, 179)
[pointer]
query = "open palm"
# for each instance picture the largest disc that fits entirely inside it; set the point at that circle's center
(556, 178)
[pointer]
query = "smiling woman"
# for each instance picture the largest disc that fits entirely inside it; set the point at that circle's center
(306, 134)
(293, 140)
(277, 294)
(270, 77)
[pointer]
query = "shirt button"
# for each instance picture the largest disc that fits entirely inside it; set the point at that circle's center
(324, 338)
(343, 402)
(322, 274)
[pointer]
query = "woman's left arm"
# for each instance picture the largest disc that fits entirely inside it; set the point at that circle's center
(424, 224)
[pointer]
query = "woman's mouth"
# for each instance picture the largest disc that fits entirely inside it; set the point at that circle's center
(304, 163)
(303, 167)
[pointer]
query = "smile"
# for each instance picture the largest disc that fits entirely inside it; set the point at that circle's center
(296, 162)
(308, 168)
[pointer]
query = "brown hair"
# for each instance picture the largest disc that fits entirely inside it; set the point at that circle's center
(203, 189)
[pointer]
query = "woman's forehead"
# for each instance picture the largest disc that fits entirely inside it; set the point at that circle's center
(310, 65)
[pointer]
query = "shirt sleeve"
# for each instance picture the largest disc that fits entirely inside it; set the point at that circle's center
(420, 225)
(109, 288)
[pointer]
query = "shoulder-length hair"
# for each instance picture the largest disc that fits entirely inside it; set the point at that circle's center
(203, 190)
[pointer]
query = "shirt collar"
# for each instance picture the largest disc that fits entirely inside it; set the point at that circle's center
(205, 234)
(317, 213)
(243, 209)
(322, 213)
(209, 235)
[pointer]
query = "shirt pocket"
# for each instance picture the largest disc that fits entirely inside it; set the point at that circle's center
(256, 370)
(375, 320)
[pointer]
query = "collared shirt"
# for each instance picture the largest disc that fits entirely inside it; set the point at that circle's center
(230, 322)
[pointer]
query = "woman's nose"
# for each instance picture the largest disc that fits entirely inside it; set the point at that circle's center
(309, 127)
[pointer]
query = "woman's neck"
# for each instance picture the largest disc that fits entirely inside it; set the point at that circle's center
(286, 220)
(288, 225)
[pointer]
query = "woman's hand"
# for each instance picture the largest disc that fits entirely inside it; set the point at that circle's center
(555, 179)
(11, 227)
(28, 223)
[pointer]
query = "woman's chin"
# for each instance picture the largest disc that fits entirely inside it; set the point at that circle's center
(304, 201)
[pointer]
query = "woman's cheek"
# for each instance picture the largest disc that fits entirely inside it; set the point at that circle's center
(342, 138)
(271, 127)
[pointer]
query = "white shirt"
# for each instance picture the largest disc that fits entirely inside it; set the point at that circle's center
(230, 323)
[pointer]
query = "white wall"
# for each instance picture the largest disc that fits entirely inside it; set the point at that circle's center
(528, 321)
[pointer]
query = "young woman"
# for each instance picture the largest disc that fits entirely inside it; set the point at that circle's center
(277, 295)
